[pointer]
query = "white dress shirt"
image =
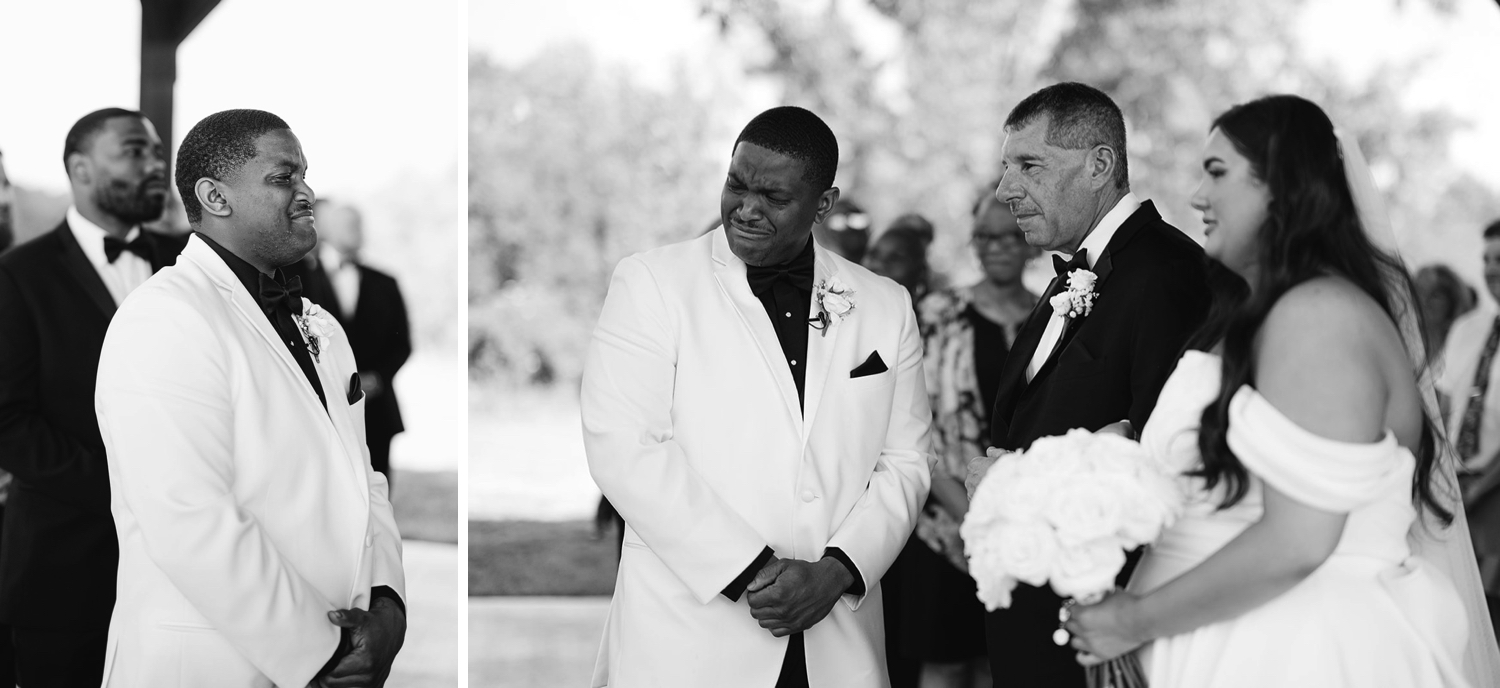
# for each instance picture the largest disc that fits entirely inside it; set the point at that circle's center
(1094, 244)
(1460, 363)
(344, 275)
(120, 277)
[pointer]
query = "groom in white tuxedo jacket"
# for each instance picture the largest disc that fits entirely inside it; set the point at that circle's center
(257, 546)
(754, 407)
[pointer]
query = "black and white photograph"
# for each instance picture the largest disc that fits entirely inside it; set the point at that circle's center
(230, 389)
(962, 343)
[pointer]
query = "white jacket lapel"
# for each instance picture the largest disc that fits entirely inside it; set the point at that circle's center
(243, 304)
(729, 270)
(340, 413)
(820, 344)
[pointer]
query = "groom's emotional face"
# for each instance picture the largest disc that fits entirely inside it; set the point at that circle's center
(272, 203)
(767, 207)
(1047, 187)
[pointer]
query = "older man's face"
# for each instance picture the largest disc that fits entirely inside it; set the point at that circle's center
(1047, 188)
(271, 202)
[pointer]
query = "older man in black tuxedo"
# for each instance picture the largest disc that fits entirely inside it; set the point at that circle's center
(1066, 181)
(58, 293)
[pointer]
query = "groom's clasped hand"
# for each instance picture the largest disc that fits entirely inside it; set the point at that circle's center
(790, 595)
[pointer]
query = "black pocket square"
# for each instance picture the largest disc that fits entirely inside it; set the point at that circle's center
(355, 393)
(871, 366)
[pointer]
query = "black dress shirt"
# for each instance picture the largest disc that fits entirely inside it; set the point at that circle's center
(281, 318)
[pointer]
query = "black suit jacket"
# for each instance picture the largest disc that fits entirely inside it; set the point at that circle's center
(378, 332)
(1152, 296)
(57, 566)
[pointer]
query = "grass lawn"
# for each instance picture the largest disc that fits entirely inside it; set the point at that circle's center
(426, 505)
(539, 558)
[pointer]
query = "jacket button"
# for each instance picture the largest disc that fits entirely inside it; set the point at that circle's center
(808, 496)
(369, 540)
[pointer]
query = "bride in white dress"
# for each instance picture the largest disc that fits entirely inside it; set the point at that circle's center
(1303, 429)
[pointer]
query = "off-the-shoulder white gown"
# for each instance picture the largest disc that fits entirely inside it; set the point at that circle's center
(1372, 615)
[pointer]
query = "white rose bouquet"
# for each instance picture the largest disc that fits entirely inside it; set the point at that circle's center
(1064, 513)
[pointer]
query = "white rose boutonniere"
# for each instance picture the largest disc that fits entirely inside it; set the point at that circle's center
(317, 327)
(835, 302)
(1078, 299)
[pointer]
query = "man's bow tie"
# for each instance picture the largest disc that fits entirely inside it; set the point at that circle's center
(275, 295)
(762, 278)
(114, 246)
(1080, 261)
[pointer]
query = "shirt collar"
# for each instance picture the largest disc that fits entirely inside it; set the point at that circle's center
(1098, 240)
(90, 236)
(242, 269)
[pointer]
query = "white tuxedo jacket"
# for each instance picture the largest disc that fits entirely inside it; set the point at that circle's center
(245, 512)
(693, 431)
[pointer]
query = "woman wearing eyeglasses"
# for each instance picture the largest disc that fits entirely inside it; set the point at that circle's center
(966, 332)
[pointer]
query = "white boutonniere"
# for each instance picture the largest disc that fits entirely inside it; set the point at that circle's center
(835, 302)
(1078, 299)
(316, 326)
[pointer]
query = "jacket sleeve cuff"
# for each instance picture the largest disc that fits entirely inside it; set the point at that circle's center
(736, 588)
(856, 588)
(383, 591)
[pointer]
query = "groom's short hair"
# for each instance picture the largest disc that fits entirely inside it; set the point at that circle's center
(800, 134)
(216, 148)
(1493, 230)
(1078, 116)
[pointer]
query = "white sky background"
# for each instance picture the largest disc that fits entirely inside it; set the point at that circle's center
(374, 90)
(1355, 34)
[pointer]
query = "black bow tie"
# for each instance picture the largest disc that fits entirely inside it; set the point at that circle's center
(1080, 261)
(114, 246)
(798, 274)
(275, 295)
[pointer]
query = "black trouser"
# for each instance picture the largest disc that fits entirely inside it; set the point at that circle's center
(48, 658)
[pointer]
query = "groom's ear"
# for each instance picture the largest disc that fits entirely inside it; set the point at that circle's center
(826, 201)
(211, 197)
(1101, 166)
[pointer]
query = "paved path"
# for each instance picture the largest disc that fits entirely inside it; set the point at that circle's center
(534, 642)
(429, 657)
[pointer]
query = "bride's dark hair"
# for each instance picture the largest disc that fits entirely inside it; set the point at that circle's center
(1311, 229)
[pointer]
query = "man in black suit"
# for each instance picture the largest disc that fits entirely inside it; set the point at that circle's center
(367, 302)
(57, 295)
(1067, 183)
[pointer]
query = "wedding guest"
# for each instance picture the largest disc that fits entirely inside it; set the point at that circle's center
(846, 231)
(368, 303)
(257, 546)
(1471, 380)
(901, 254)
(58, 293)
(917, 223)
(966, 334)
(1443, 296)
(769, 468)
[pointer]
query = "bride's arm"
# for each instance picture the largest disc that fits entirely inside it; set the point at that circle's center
(1317, 366)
